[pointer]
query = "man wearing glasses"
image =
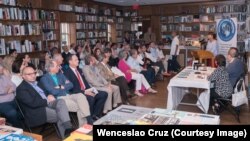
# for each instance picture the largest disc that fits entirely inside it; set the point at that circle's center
(39, 108)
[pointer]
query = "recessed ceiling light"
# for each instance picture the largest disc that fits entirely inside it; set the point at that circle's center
(121, 1)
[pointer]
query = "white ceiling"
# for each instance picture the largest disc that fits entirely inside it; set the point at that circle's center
(146, 2)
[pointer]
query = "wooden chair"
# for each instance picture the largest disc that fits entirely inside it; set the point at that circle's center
(203, 56)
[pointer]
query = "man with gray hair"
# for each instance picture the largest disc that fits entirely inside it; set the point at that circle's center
(58, 85)
(235, 67)
(95, 79)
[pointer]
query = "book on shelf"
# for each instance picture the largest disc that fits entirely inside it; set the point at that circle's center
(7, 130)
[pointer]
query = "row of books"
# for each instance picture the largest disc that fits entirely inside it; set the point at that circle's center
(11, 13)
(80, 35)
(118, 33)
(97, 34)
(119, 26)
(120, 20)
(49, 36)
(8, 2)
(23, 29)
(223, 8)
(47, 15)
(21, 46)
(202, 18)
(91, 26)
(91, 18)
(50, 25)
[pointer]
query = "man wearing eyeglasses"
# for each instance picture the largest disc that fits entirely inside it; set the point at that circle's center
(39, 108)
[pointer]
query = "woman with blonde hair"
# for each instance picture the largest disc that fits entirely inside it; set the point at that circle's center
(7, 65)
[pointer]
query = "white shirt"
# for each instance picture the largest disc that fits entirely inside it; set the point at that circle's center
(72, 51)
(134, 64)
(174, 43)
(212, 46)
(16, 79)
(160, 54)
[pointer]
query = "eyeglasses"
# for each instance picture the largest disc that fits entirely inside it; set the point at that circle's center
(33, 73)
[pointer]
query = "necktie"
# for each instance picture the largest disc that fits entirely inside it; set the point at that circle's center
(79, 80)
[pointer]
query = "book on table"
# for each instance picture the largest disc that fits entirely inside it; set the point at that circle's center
(7, 130)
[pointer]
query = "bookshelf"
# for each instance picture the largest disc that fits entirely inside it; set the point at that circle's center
(197, 19)
(20, 26)
(91, 23)
(119, 26)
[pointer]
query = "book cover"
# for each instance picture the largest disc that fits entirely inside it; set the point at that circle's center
(79, 137)
(16, 137)
(85, 129)
(7, 130)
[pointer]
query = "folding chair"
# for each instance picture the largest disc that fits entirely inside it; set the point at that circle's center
(26, 124)
(226, 103)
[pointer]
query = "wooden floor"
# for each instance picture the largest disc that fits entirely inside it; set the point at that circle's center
(159, 100)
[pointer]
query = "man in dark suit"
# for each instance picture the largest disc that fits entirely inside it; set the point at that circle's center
(95, 98)
(39, 108)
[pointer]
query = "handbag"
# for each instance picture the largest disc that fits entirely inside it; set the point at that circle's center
(240, 97)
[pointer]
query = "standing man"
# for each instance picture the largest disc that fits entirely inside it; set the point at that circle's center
(149, 36)
(174, 66)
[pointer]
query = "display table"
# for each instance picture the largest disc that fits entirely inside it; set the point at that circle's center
(189, 78)
(126, 114)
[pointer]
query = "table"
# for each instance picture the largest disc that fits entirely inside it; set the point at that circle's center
(188, 79)
(186, 48)
(127, 114)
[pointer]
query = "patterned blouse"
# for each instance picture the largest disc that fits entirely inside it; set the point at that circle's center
(222, 84)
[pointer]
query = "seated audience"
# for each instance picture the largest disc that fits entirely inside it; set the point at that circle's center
(8, 107)
(133, 63)
(220, 78)
(95, 79)
(235, 67)
(96, 99)
(56, 84)
(112, 78)
(39, 108)
(132, 74)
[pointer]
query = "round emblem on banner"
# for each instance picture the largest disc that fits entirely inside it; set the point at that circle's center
(226, 29)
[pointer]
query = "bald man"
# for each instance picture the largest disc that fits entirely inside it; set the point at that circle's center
(39, 108)
(235, 67)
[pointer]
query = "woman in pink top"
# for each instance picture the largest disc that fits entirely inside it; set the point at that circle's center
(133, 74)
